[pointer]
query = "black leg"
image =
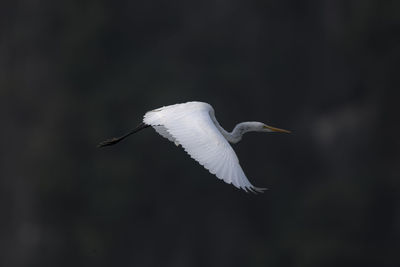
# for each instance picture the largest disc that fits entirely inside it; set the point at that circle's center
(114, 140)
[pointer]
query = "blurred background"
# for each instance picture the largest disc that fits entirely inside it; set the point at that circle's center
(73, 73)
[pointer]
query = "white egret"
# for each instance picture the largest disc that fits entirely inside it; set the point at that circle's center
(193, 126)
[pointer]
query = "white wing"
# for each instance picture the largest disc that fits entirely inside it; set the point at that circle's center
(191, 126)
(161, 130)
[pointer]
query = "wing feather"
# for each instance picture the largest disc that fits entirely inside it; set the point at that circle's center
(191, 126)
(161, 130)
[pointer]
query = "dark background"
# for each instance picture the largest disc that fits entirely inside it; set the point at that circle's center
(73, 73)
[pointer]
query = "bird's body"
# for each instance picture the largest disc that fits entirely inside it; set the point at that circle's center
(193, 126)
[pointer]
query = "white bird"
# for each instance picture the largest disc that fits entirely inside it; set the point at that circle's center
(193, 126)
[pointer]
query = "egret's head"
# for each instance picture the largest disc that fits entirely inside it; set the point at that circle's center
(267, 128)
(251, 126)
(254, 126)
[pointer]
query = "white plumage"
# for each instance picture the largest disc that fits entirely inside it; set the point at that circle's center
(193, 126)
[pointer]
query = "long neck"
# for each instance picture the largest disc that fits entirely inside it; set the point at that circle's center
(240, 129)
(236, 135)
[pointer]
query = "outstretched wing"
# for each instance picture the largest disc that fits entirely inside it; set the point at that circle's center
(161, 130)
(191, 126)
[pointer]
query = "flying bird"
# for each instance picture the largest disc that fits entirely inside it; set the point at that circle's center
(193, 126)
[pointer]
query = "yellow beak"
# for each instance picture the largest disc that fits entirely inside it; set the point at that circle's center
(276, 129)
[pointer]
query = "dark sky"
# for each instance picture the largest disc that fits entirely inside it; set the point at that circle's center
(73, 73)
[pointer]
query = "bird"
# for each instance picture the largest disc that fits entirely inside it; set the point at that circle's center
(193, 126)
